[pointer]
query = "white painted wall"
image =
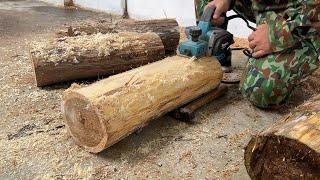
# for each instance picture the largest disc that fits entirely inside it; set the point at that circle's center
(182, 10)
(55, 2)
(238, 27)
(110, 6)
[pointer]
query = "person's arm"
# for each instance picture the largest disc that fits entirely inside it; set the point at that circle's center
(295, 25)
(222, 6)
(283, 31)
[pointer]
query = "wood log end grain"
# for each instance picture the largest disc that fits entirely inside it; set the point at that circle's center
(83, 122)
(279, 157)
(288, 149)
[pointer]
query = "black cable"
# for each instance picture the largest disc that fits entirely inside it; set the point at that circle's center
(245, 51)
(245, 20)
(237, 48)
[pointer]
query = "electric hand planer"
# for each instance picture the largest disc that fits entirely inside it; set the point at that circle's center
(205, 39)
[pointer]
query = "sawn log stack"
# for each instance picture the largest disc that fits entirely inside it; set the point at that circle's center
(89, 51)
(167, 29)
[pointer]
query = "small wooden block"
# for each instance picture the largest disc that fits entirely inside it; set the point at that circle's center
(187, 113)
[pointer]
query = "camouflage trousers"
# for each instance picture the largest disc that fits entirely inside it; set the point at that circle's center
(270, 80)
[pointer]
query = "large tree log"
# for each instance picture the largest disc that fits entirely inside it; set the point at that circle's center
(290, 149)
(167, 29)
(103, 113)
(93, 55)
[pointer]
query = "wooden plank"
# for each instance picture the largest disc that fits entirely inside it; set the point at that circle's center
(187, 112)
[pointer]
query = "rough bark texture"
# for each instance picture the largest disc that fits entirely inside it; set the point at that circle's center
(68, 3)
(167, 29)
(93, 55)
(290, 149)
(103, 113)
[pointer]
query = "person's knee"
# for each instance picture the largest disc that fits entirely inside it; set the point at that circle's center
(263, 91)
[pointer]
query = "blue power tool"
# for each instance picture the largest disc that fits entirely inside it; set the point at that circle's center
(208, 40)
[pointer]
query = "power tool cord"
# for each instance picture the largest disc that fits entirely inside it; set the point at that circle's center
(245, 51)
(244, 19)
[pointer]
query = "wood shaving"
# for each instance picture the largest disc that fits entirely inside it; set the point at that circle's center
(70, 49)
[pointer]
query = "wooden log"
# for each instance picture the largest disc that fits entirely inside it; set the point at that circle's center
(167, 29)
(103, 113)
(68, 3)
(290, 149)
(93, 55)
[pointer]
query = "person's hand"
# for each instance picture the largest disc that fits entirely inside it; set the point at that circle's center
(259, 42)
(221, 7)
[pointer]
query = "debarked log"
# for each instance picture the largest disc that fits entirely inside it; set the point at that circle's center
(103, 113)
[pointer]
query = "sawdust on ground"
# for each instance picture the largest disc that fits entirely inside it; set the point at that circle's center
(34, 142)
(71, 48)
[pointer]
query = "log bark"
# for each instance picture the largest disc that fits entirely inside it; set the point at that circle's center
(290, 149)
(68, 3)
(167, 29)
(93, 55)
(103, 113)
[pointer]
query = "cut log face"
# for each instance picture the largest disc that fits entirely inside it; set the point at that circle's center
(93, 55)
(290, 149)
(103, 113)
(167, 29)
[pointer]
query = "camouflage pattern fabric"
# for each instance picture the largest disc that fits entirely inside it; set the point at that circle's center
(294, 37)
(289, 21)
(200, 5)
(270, 80)
(294, 34)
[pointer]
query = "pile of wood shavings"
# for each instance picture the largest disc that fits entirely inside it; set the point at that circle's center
(68, 49)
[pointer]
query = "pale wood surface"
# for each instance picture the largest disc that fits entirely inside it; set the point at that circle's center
(103, 113)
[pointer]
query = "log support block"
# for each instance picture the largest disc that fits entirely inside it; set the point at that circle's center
(187, 112)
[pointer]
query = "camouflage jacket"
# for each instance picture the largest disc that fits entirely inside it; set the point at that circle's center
(289, 21)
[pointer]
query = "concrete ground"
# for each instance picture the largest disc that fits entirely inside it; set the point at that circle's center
(34, 142)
